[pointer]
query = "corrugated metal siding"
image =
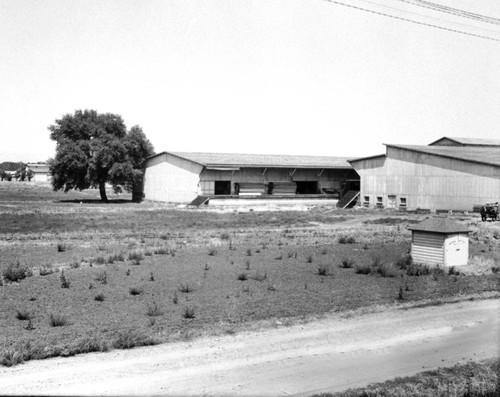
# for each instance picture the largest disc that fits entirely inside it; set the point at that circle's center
(428, 181)
(428, 248)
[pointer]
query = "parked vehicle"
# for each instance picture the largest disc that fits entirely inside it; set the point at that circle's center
(489, 210)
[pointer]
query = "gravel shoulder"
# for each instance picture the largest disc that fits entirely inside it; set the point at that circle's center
(331, 354)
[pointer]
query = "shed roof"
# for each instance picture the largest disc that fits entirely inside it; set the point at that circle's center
(439, 225)
(228, 160)
(478, 154)
(39, 168)
(470, 141)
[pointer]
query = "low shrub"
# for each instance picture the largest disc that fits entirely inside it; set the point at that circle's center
(135, 291)
(102, 278)
(153, 310)
(417, 269)
(347, 240)
(387, 270)
(376, 262)
(61, 247)
(309, 259)
(11, 357)
(186, 289)
(259, 276)
(404, 261)
(16, 272)
(161, 251)
(46, 270)
(242, 276)
(135, 256)
(347, 263)
(23, 314)
(57, 320)
(74, 264)
(90, 344)
(323, 270)
(117, 257)
(212, 252)
(249, 252)
(132, 338)
(99, 297)
(362, 268)
(224, 236)
(65, 283)
(100, 260)
(188, 313)
(453, 272)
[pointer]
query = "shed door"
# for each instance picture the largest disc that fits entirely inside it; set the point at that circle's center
(456, 250)
(391, 201)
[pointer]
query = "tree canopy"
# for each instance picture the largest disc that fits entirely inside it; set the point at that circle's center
(94, 149)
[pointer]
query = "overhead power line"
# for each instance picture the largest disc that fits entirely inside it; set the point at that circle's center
(413, 21)
(452, 11)
(438, 20)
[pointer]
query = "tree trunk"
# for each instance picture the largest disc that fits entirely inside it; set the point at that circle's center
(102, 191)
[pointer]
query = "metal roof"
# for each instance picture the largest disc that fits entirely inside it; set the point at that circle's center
(376, 156)
(470, 141)
(482, 155)
(39, 168)
(439, 225)
(234, 160)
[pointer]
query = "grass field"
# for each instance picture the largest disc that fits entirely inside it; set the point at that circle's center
(465, 380)
(100, 276)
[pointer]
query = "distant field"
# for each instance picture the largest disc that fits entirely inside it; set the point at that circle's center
(161, 273)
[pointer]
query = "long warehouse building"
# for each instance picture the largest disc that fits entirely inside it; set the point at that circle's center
(448, 174)
(181, 177)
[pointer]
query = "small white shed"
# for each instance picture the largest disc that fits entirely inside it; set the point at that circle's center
(440, 241)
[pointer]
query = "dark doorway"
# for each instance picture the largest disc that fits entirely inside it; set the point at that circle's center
(309, 187)
(222, 188)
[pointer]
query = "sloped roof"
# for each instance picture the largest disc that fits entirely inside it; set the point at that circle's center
(439, 225)
(39, 168)
(376, 156)
(480, 154)
(228, 160)
(470, 141)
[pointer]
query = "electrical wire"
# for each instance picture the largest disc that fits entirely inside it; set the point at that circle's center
(428, 16)
(412, 21)
(453, 11)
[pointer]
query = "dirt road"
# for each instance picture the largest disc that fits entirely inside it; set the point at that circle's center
(331, 354)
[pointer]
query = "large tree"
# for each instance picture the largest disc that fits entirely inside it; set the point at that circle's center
(94, 149)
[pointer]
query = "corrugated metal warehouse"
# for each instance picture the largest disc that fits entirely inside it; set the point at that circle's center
(181, 177)
(449, 174)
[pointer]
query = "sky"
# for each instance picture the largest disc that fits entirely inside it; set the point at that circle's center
(300, 77)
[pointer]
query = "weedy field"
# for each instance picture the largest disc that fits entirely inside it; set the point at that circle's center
(471, 380)
(79, 275)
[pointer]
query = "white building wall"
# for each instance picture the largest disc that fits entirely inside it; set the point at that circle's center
(456, 249)
(427, 181)
(40, 177)
(171, 179)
